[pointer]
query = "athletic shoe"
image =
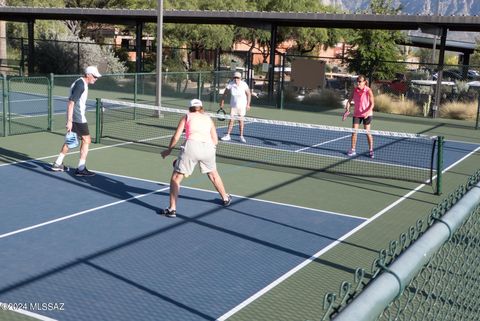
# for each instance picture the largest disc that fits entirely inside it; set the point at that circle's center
(371, 154)
(168, 212)
(228, 201)
(58, 168)
(226, 138)
(351, 152)
(242, 139)
(84, 172)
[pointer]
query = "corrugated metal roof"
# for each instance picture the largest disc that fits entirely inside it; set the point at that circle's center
(304, 19)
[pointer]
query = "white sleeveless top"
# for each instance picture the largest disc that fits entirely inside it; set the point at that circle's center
(197, 127)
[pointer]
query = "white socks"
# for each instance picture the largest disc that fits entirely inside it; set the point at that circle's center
(60, 158)
(81, 164)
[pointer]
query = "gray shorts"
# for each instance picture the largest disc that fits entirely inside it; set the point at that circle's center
(193, 152)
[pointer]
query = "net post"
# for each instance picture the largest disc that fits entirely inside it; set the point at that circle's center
(439, 165)
(50, 100)
(4, 100)
(98, 110)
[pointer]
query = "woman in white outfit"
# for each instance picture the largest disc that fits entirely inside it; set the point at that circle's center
(240, 98)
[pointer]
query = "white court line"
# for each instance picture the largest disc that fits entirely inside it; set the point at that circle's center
(239, 196)
(63, 218)
(25, 229)
(27, 100)
(329, 247)
(27, 313)
(76, 152)
(320, 144)
(283, 277)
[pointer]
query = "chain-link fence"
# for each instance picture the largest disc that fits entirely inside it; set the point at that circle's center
(429, 274)
(29, 108)
(413, 89)
(3, 109)
(411, 93)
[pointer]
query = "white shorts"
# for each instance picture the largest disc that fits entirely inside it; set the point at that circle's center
(193, 152)
(238, 111)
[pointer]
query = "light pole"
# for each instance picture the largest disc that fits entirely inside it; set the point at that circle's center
(158, 100)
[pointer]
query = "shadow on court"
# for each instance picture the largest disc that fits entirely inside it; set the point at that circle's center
(10, 156)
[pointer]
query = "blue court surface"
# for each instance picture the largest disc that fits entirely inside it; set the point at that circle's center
(398, 151)
(28, 104)
(94, 248)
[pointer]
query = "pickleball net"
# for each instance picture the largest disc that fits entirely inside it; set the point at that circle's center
(282, 145)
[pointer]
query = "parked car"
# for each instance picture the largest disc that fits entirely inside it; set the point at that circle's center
(450, 74)
(455, 74)
(473, 74)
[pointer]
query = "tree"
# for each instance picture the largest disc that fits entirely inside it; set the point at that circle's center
(475, 58)
(198, 37)
(374, 53)
(305, 39)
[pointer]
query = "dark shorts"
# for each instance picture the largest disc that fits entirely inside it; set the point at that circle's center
(365, 121)
(81, 129)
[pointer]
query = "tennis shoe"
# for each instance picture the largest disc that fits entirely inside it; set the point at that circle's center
(228, 201)
(226, 138)
(242, 139)
(58, 168)
(84, 172)
(168, 212)
(351, 152)
(372, 155)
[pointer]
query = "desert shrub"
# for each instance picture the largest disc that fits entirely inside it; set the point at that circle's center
(385, 103)
(457, 110)
(60, 54)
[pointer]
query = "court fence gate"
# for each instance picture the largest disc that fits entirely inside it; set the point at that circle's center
(429, 273)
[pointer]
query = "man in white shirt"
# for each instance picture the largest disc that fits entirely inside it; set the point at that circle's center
(77, 122)
(240, 97)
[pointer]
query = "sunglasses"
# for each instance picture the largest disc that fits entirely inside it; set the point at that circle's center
(236, 77)
(95, 77)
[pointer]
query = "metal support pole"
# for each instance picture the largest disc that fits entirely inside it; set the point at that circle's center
(441, 58)
(271, 70)
(31, 47)
(478, 111)
(138, 46)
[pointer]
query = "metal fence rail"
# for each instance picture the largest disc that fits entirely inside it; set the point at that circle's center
(431, 273)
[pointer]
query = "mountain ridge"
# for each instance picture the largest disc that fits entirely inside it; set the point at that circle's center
(427, 7)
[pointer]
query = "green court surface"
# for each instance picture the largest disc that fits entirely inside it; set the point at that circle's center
(390, 207)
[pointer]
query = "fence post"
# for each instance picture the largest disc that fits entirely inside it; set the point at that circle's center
(478, 112)
(50, 100)
(135, 87)
(5, 101)
(199, 85)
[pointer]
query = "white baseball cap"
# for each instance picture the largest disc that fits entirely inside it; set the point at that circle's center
(237, 74)
(196, 103)
(93, 71)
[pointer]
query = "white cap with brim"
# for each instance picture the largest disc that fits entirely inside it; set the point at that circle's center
(196, 103)
(237, 74)
(93, 71)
